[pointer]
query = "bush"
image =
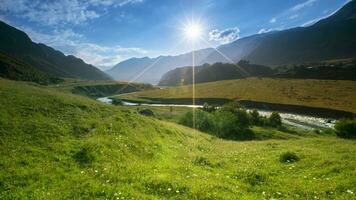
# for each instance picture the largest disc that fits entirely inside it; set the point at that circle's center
(117, 102)
(232, 107)
(255, 118)
(346, 128)
(146, 112)
(84, 156)
(225, 124)
(288, 157)
(208, 108)
(201, 161)
(221, 123)
(275, 119)
(203, 120)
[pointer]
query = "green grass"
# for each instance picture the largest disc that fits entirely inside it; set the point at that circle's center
(332, 94)
(56, 145)
(102, 88)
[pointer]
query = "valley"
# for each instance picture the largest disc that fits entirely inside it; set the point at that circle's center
(77, 147)
(186, 100)
(328, 94)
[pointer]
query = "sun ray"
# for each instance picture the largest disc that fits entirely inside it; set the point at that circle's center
(149, 67)
(226, 57)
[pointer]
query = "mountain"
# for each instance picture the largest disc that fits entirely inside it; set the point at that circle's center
(14, 69)
(17, 44)
(214, 72)
(150, 70)
(330, 38)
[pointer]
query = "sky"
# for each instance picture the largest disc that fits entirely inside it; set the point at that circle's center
(105, 32)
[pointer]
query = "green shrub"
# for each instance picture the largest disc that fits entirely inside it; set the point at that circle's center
(251, 177)
(203, 120)
(242, 118)
(346, 128)
(85, 156)
(117, 102)
(232, 106)
(288, 157)
(146, 112)
(275, 119)
(202, 161)
(255, 117)
(225, 124)
(208, 108)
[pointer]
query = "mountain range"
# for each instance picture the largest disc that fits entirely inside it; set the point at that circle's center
(215, 72)
(328, 39)
(150, 70)
(16, 45)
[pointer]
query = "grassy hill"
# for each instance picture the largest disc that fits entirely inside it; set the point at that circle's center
(214, 72)
(329, 38)
(14, 69)
(56, 145)
(100, 88)
(332, 94)
(17, 44)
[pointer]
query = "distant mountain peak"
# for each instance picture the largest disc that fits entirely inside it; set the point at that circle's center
(15, 43)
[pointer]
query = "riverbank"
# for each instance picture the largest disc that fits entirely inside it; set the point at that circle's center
(306, 122)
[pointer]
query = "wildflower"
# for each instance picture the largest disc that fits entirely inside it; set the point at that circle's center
(349, 191)
(177, 191)
(82, 172)
(169, 189)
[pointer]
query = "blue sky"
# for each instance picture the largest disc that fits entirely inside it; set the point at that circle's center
(105, 32)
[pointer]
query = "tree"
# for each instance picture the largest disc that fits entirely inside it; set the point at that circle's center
(346, 128)
(255, 117)
(275, 119)
(233, 107)
(208, 108)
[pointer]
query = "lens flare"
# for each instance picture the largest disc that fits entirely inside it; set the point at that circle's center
(193, 31)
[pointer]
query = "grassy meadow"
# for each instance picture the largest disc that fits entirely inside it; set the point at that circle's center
(57, 145)
(97, 88)
(332, 94)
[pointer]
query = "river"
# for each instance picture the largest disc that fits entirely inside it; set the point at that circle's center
(296, 120)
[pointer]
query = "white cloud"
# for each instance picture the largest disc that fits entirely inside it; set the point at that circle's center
(264, 30)
(60, 11)
(75, 44)
(273, 20)
(303, 5)
(224, 36)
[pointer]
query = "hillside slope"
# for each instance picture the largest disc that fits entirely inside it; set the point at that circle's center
(328, 94)
(57, 145)
(150, 70)
(330, 38)
(214, 72)
(14, 69)
(17, 44)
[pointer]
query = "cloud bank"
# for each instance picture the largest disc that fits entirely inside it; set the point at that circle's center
(60, 12)
(75, 44)
(224, 36)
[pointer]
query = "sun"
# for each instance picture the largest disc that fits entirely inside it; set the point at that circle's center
(193, 31)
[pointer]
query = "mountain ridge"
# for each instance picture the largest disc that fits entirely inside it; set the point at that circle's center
(17, 44)
(329, 38)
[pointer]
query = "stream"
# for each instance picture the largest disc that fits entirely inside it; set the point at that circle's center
(296, 120)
